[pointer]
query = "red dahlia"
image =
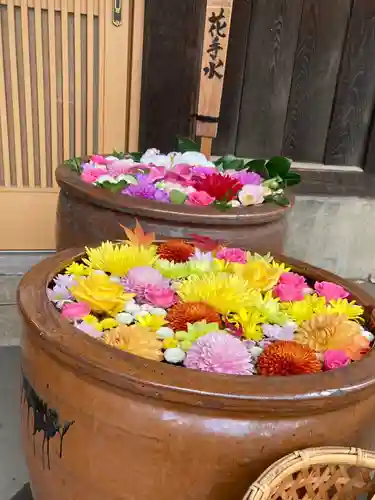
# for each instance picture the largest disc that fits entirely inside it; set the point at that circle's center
(219, 186)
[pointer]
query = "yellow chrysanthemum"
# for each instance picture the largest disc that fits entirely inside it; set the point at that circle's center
(151, 321)
(270, 307)
(78, 269)
(172, 270)
(260, 274)
(117, 259)
(108, 323)
(303, 310)
(169, 343)
(224, 292)
(136, 340)
(350, 309)
(101, 294)
(250, 320)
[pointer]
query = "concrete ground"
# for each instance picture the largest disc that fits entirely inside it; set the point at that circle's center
(13, 473)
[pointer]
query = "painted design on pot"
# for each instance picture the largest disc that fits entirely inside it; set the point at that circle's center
(209, 307)
(46, 420)
(188, 177)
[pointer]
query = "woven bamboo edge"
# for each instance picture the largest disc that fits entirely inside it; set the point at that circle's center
(266, 484)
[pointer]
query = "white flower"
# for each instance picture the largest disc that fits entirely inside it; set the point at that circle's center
(170, 186)
(106, 178)
(132, 308)
(164, 333)
(193, 158)
(255, 352)
(158, 311)
(235, 203)
(115, 279)
(267, 191)
(368, 335)
(159, 160)
(174, 355)
(112, 158)
(130, 179)
(251, 194)
(124, 318)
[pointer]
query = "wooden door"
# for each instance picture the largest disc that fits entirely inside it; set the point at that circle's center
(69, 86)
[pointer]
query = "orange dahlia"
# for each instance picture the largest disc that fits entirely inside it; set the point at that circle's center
(176, 250)
(190, 312)
(288, 358)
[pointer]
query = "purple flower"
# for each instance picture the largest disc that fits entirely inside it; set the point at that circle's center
(65, 280)
(202, 256)
(89, 329)
(59, 295)
(162, 196)
(203, 171)
(277, 332)
(143, 190)
(248, 178)
(143, 179)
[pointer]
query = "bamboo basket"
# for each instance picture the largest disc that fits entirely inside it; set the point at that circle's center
(329, 473)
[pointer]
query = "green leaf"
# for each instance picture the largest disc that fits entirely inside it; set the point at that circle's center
(278, 166)
(219, 161)
(223, 206)
(177, 197)
(281, 200)
(118, 154)
(258, 166)
(114, 188)
(74, 164)
(136, 156)
(292, 178)
(184, 144)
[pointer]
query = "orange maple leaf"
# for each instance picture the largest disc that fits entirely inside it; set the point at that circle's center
(138, 237)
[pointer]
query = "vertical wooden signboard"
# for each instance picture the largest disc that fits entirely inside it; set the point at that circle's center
(214, 58)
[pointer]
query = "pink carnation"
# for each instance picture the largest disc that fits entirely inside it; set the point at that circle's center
(288, 293)
(100, 160)
(75, 310)
(219, 353)
(293, 279)
(159, 296)
(200, 198)
(330, 291)
(232, 255)
(335, 359)
(89, 178)
(139, 278)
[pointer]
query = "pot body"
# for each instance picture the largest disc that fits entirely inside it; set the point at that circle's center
(123, 446)
(87, 215)
(102, 424)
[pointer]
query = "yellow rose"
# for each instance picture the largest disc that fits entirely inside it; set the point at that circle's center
(260, 274)
(101, 294)
(136, 340)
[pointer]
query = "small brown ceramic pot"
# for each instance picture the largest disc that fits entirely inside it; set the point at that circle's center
(87, 215)
(103, 424)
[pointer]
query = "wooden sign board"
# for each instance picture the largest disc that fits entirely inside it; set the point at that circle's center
(214, 58)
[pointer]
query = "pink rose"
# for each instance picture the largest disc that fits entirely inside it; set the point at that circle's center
(289, 293)
(335, 359)
(100, 160)
(89, 178)
(232, 255)
(330, 291)
(200, 199)
(75, 310)
(293, 279)
(159, 296)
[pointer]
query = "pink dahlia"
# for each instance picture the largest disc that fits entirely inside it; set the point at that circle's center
(293, 279)
(75, 310)
(219, 353)
(160, 296)
(330, 291)
(232, 255)
(139, 278)
(335, 359)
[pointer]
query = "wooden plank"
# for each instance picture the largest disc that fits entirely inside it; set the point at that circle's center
(347, 138)
(320, 44)
(4, 116)
(53, 88)
(225, 143)
(90, 78)
(116, 83)
(28, 100)
(77, 78)
(171, 65)
(136, 72)
(40, 89)
(46, 4)
(15, 93)
(65, 72)
(27, 217)
(269, 67)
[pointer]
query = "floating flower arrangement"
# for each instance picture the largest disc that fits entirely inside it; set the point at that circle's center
(188, 177)
(208, 307)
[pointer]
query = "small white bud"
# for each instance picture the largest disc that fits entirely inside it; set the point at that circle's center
(174, 355)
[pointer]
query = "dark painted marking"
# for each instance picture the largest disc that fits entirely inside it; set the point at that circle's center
(46, 420)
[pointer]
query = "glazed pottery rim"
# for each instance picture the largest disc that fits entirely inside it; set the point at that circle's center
(70, 182)
(160, 380)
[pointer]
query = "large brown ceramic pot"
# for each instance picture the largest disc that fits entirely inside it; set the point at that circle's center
(87, 215)
(102, 424)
